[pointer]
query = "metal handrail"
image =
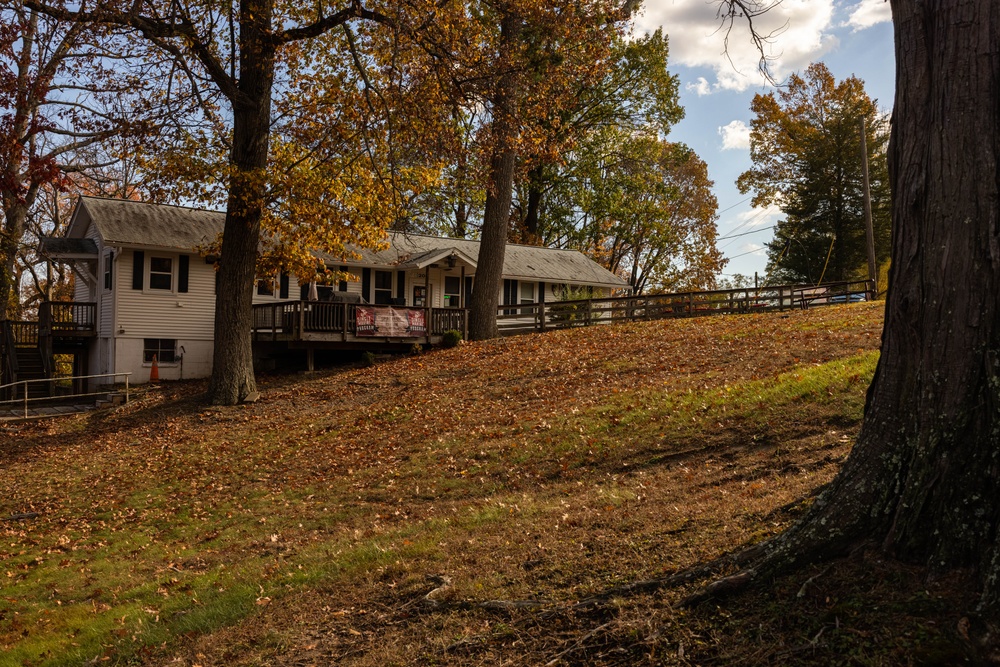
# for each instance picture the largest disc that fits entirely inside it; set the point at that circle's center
(25, 400)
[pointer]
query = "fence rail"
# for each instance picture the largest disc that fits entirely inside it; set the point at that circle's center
(527, 318)
(25, 400)
(291, 319)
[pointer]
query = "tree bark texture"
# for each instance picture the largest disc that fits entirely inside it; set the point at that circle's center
(496, 216)
(531, 235)
(923, 477)
(232, 364)
(10, 238)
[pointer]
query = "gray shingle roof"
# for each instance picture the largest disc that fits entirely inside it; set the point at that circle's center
(131, 223)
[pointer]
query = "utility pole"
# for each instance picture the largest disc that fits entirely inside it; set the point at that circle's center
(869, 232)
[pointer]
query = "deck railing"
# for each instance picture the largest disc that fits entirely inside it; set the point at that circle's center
(23, 334)
(21, 395)
(291, 319)
(67, 316)
(526, 318)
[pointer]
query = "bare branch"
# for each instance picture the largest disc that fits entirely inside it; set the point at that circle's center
(731, 11)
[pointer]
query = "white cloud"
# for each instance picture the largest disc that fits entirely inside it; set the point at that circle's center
(758, 217)
(868, 13)
(800, 32)
(701, 87)
(735, 136)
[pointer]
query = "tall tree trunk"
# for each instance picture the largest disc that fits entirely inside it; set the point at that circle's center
(534, 204)
(232, 363)
(496, 216)
(923, 476)
(461, 228)
(10, 236)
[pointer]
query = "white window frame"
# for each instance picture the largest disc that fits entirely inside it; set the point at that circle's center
(376, 289)
(150, 273)
(520, 292)
(108, 278)
(448, 295)
(159, 362)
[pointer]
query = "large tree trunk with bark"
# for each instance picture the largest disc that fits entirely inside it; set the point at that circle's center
(535, 184)
(496, 216)
(922, 479)
(232, 363)
(10, 239)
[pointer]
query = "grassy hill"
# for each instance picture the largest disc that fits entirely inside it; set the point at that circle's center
(454, 507)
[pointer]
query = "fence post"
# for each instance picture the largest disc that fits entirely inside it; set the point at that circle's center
(301, 305)
(541, 316)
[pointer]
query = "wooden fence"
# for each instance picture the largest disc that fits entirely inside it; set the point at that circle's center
(527, 318)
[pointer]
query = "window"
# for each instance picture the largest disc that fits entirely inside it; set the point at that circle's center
(452, 292)
(107, 270)
(161, 273)
(265, 287)
(165, 350)
(527, 292)
(383, 287)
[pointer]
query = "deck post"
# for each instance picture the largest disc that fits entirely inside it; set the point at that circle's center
(310, 359)
(301, 305)
(345, 311)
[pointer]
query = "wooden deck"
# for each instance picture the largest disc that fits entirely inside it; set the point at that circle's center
(353, 325)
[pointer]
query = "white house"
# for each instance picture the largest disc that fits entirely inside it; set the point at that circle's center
(148, 292)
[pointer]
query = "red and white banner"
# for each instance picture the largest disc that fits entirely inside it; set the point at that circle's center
(388, 322)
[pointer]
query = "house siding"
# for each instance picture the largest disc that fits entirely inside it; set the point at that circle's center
(186, 317)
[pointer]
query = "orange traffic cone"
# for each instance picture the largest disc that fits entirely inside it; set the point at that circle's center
(154, 371)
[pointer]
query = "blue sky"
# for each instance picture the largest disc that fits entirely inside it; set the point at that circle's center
(853, 37)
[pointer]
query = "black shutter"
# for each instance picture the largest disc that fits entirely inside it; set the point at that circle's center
(509, 292)
(283, 285)
(401, 285)
(182, 273)
(541, 292)
(138, 268)
(468, 289)
(303, 292)
(366, 284)
(342, 285)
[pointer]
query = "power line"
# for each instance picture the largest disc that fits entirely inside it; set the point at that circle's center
(761, 213)
(752, 231)
(734, 205)
(749, 252)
